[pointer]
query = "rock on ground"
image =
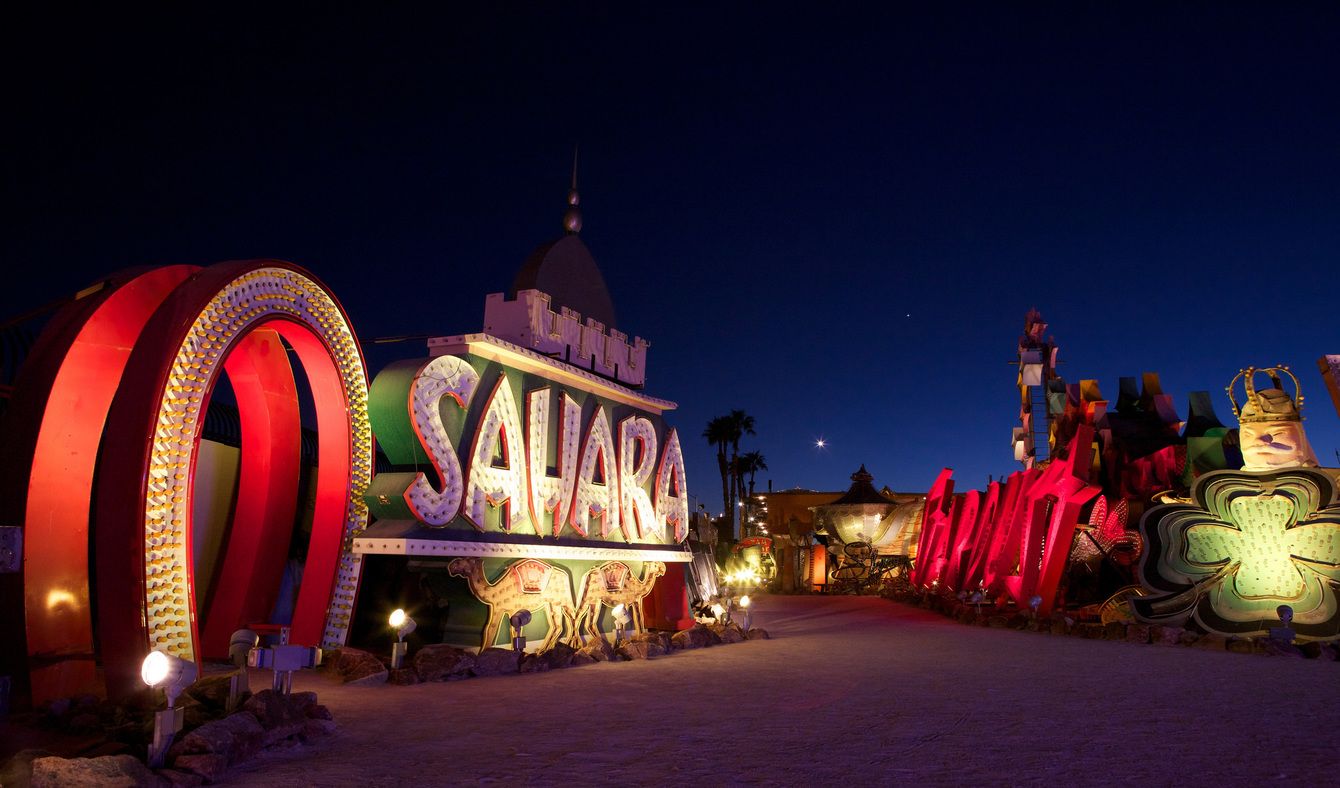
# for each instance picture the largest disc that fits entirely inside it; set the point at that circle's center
(236, 737)
(355, 666)
(281, 716)
(661, 640)
(18, 770)
(208, 766)
(496, 661)
(599, 649)
(728, 633)
(698, 636)
(109, 771)
(440, 661)
(560, 656)
(635, 650)
(212, 691)
(534, 663)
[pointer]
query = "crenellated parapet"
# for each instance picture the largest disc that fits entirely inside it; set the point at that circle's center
(530, 321)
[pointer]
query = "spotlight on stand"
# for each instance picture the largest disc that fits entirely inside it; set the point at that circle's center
(745, 602)
(168, 673)
(519, 621)
(621, 618)
(239, 646)
(172, 675)
(283, 660)
(1035, 602)
(403, 625)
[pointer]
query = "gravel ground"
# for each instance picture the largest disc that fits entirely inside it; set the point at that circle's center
(851, 689)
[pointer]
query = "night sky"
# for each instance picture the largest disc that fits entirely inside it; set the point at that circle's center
(835, 223)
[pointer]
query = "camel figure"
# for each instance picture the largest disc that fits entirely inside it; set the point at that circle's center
(524, 585)
(613, 584)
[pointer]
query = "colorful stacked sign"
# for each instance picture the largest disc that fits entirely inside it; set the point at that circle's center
(1249, 541)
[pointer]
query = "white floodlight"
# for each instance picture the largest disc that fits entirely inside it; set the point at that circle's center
(621, 619)
(403, 625)
(172, 674)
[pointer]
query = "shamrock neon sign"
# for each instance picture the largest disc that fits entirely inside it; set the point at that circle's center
(1248, 543)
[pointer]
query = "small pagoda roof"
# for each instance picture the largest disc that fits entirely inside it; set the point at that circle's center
(862, 492)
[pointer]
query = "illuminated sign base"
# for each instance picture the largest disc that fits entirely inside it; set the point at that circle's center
(373, 545)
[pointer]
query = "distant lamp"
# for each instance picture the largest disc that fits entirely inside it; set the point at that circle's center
(519, 620)
(172, 675)
(621, 618)
(403, 625)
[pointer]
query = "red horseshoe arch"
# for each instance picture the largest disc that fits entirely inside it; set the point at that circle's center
(52, 432)
(229, 315)
(179, 335)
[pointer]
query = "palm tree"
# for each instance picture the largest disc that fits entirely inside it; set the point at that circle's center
(748, 464)
(751, 462)
(718, 434)
(741, 424)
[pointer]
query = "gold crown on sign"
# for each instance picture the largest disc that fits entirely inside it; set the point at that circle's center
(1272, 404)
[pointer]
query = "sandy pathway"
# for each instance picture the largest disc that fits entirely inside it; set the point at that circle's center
(852, 689)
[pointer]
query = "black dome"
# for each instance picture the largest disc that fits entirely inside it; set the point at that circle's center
(566, 271)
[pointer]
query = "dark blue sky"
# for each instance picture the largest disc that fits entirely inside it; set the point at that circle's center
(834, 222)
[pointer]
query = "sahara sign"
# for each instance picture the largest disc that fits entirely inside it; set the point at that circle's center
(506, 451)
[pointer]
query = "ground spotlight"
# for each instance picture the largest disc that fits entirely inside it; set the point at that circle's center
(519, 620)
(403, 625)
(239, 647)
(621, 617)
(168, 673)
(172, 675)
